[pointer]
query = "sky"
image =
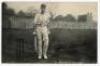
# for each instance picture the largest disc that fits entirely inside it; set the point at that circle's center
(61, 8)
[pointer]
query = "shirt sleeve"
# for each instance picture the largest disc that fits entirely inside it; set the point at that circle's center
(35, 19)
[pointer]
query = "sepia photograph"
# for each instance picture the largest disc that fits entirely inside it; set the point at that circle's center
(49, 32)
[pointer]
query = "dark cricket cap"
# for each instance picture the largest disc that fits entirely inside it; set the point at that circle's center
(43, 5)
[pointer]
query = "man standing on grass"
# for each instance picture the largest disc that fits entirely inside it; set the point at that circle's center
(41, 21)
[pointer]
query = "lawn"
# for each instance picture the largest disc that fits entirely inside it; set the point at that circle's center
(66, 46)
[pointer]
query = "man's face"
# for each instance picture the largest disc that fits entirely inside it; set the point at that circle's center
(42, 10)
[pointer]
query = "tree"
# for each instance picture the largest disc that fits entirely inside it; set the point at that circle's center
(21, 13)
(10, 12)
(6, 10)
(82, 18)
(69, 17)
(59, 17)
(6, 14)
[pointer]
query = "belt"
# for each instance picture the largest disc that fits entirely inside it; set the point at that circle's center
(40, 25)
